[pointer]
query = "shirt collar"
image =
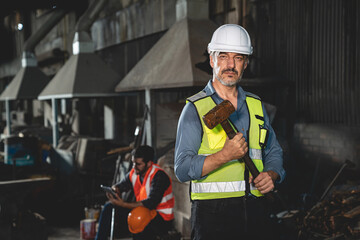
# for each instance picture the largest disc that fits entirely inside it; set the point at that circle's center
(210, 91)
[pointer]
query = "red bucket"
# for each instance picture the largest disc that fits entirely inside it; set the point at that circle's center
(88, 229)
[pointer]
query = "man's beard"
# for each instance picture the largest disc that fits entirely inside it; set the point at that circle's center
(228, 84)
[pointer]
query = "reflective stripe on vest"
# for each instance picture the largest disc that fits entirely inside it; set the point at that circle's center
(255, 153)
(214, 187)
(228, 180)
(142, 190)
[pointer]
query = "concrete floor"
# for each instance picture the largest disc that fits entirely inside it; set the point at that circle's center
(64, 233)
(68, 233)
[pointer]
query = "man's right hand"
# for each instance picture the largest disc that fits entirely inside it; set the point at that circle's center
(235, 148)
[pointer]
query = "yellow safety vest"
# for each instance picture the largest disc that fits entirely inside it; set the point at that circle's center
(228, 180)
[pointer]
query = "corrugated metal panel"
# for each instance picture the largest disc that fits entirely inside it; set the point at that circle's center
(316, 45)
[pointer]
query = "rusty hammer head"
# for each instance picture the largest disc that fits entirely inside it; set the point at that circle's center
(218, 114)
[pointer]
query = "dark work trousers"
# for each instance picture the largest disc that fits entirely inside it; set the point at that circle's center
(231, 218)
(158, 226)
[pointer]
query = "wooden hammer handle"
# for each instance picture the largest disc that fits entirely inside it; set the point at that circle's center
(248, 162)
(228, 129)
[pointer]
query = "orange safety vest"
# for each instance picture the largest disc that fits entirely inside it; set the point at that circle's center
(142, 190)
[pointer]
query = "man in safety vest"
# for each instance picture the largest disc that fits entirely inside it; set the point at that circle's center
(227, 203)
(153, 191)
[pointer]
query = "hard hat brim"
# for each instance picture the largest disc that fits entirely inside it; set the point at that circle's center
(227, 48)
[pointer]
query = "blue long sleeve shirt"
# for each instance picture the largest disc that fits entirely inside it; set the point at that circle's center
(189, 165)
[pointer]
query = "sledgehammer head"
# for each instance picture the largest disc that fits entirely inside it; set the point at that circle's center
(218, 114)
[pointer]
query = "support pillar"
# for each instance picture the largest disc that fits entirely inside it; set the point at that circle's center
(55, 125)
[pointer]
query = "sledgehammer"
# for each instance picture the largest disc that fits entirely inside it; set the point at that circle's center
(219, 115)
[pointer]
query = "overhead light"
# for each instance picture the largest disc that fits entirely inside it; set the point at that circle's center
(18, 22)
(20, 26)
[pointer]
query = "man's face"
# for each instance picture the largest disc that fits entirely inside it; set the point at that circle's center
(139, 166)
(228, 67)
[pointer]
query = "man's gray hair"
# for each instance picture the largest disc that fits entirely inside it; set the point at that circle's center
(215, 54)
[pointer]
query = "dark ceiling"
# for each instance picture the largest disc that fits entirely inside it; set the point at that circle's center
(9, 6)
(24, 7)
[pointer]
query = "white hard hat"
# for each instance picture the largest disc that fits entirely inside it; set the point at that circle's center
(231, 38)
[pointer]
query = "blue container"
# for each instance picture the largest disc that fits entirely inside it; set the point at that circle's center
(22, 150)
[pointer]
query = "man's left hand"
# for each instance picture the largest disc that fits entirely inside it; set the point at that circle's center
(115, 200)
(264, 182)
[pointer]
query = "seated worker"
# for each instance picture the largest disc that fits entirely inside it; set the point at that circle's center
(152, 189)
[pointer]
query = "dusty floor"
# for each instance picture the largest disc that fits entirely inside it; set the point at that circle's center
(68, 233)
(65, 233)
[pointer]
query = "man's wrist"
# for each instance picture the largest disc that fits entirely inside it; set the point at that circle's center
(221, 157)
(274, 176)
